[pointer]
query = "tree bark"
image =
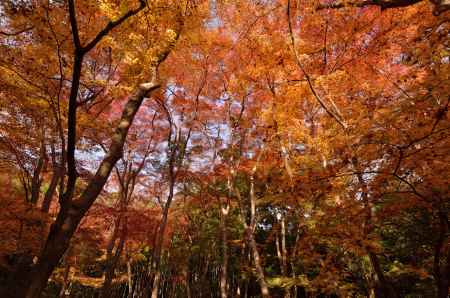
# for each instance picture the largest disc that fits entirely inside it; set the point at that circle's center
(250, 228)
(156, 258)
(257, 261)
(57, 174)
(224, 266)
(36, 180)
(45, 207)
(251, 237)
(156, 281)
(384, 4)
(282, 253)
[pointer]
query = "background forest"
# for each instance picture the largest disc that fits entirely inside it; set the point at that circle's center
(246, 148)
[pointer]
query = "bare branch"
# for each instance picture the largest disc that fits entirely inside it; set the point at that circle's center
(384, 4)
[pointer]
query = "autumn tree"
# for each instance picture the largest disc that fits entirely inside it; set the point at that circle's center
(289, 148)
(79, 54)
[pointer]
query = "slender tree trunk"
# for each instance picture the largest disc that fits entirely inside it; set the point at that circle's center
(284, 269)
(50, 191)
(36, 179)
(175, 161)
(156, 281)
(259, 269)
(277, 246)
(243, 260)
(224, 266)
(384, 285)
(156, 258)
(62, 293)
(250, 228)
(251, 237)
(256, 258)
(293, 257)
(130, 278)
(283, 247)
(57, 174)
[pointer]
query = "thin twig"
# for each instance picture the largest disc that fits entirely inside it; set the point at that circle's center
(335, 116)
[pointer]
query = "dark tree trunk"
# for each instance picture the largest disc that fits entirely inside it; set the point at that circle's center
(50, 191)
(386, 290)
(442, 272)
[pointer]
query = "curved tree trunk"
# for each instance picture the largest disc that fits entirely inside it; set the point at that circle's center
(56, 176)
(156, 258)
(258, 266)
(159, 238)
(224, 266)
(251, 237)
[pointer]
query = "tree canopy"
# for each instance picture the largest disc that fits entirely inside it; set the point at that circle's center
(224, 148)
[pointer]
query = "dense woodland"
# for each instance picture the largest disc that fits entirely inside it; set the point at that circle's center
(224, 148)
